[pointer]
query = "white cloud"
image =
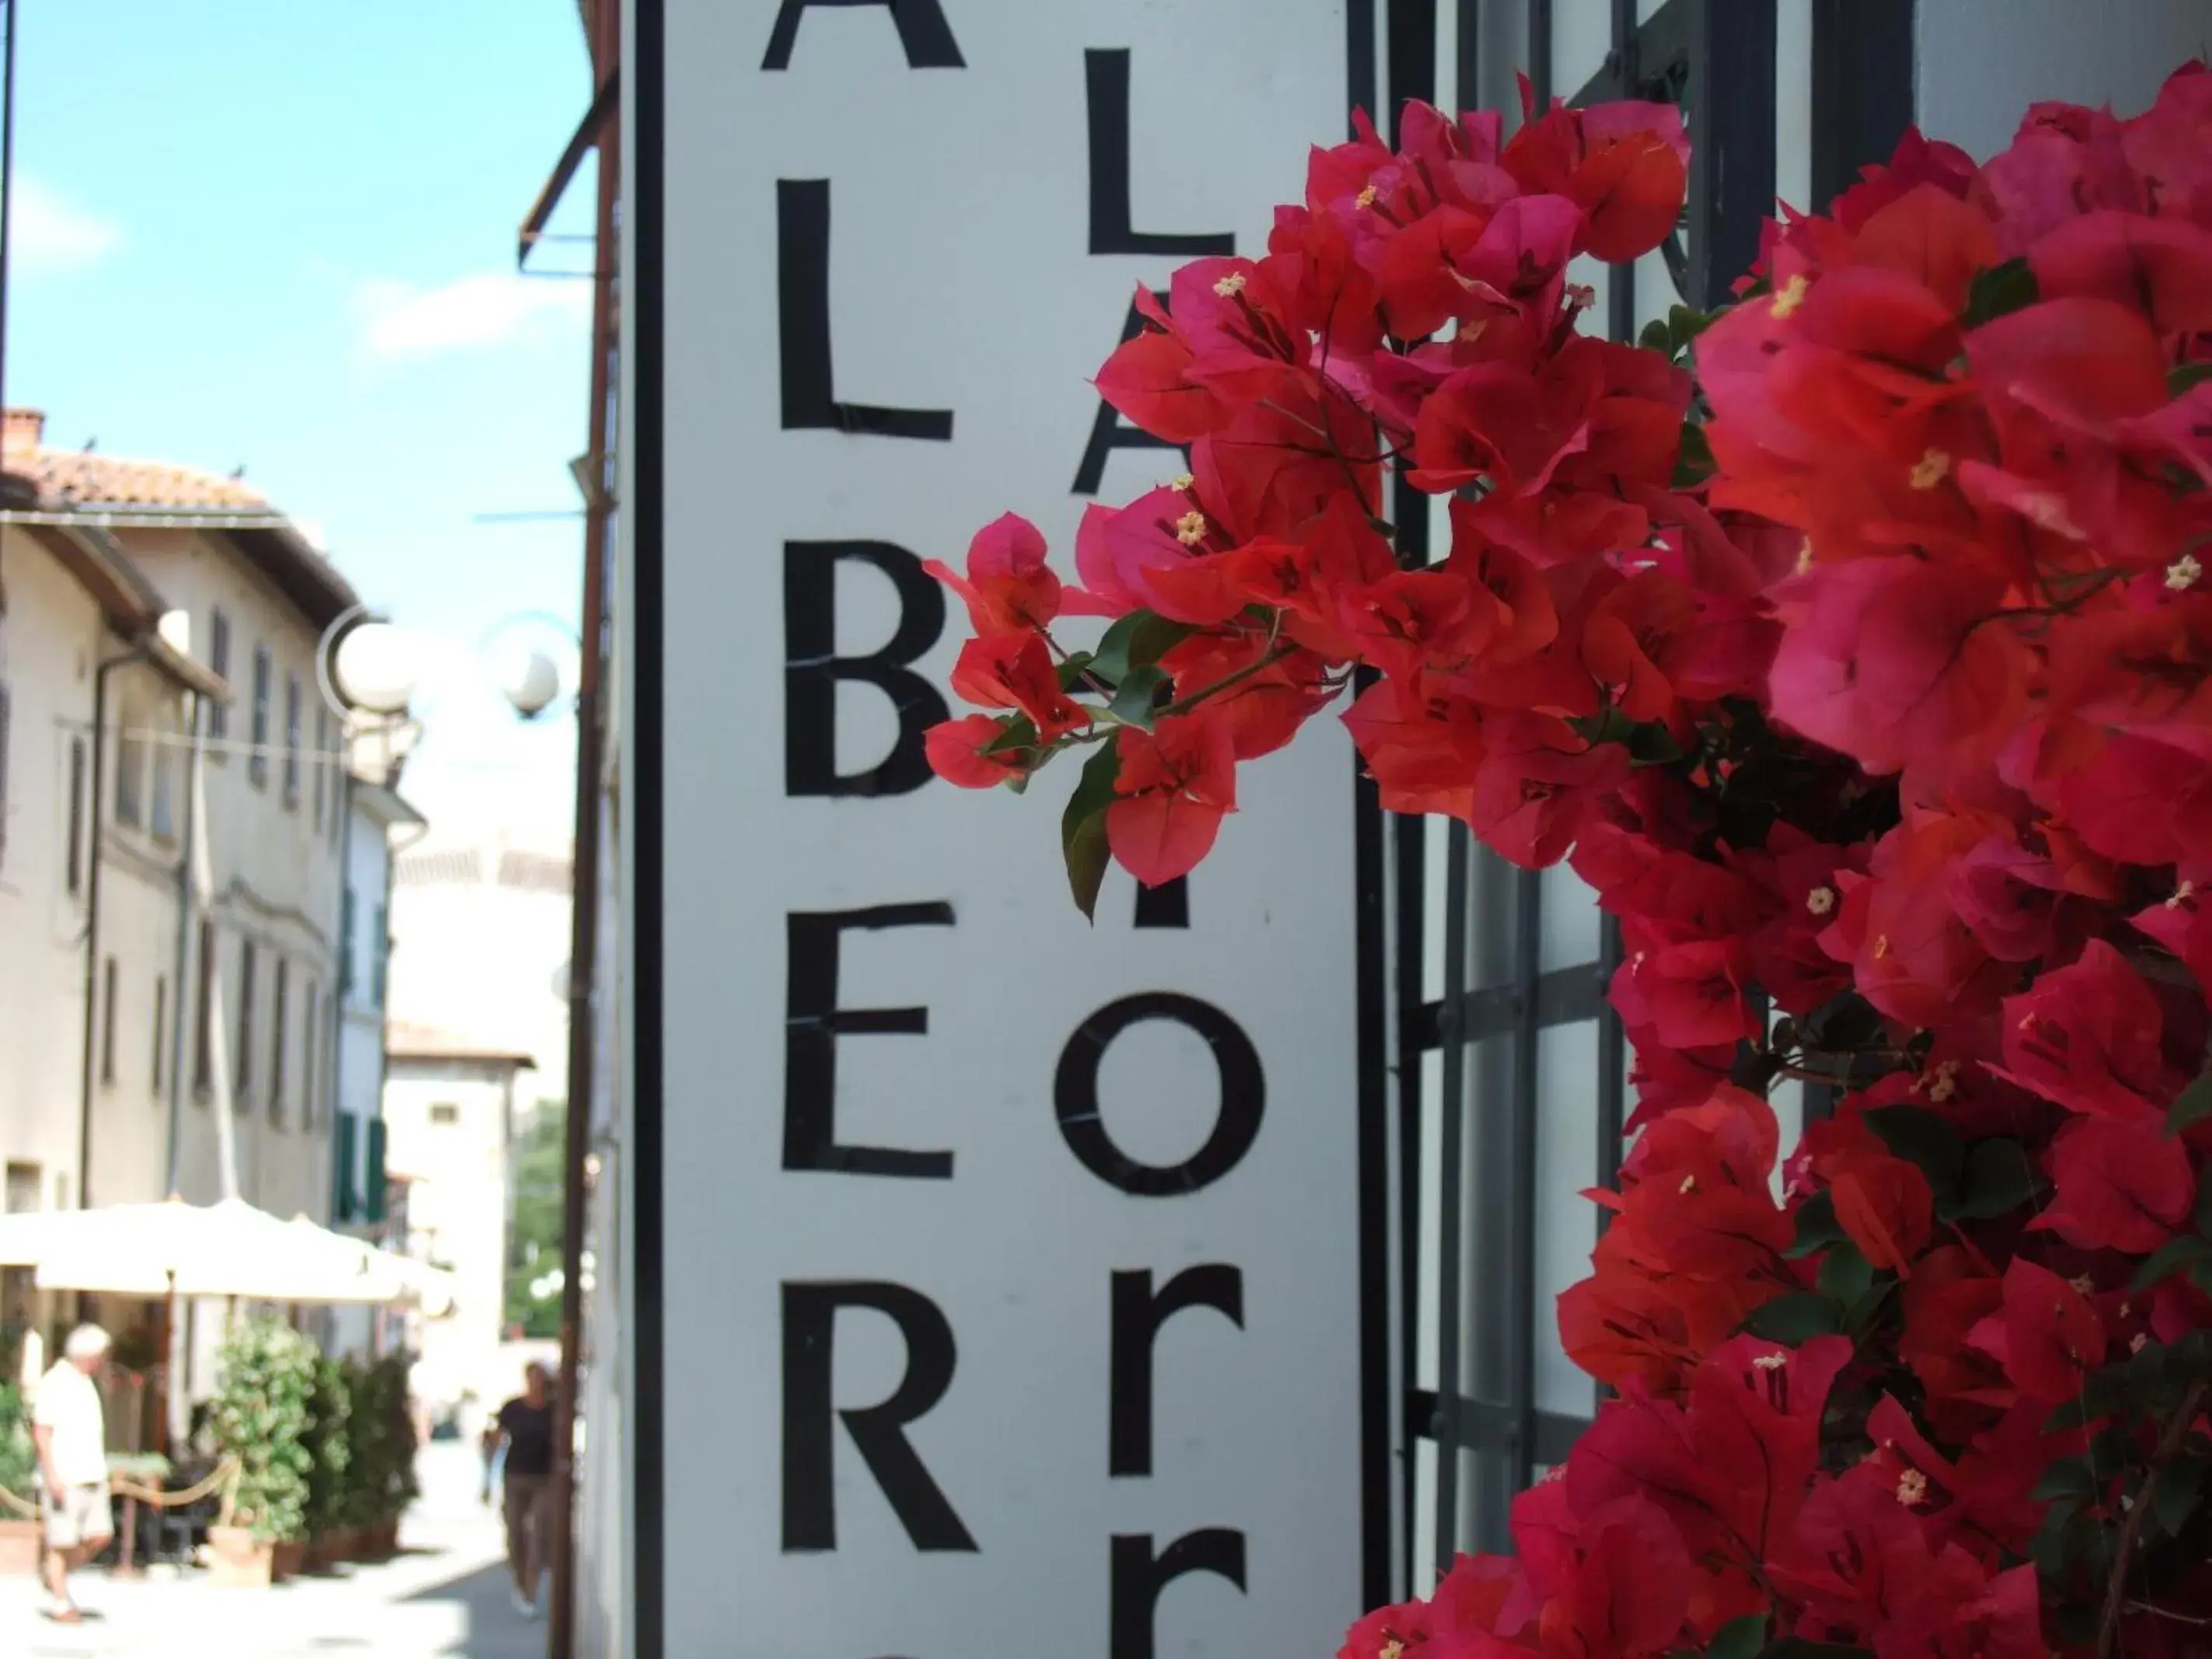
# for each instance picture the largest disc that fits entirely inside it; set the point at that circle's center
(48, 233)
(483, 309)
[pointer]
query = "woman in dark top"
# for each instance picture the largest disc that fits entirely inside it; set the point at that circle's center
(524, 1426)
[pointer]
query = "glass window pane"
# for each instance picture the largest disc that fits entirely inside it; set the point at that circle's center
(1571, 921)
(1567, 1222)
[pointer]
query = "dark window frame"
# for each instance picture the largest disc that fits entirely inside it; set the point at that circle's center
(294, 713)
(279, 1032)
(161, 1031)
(218, 719)
(80, 764)
(203, 1016)
(265, 671)
(1862, 100)
(242, 1084)
(110, 996)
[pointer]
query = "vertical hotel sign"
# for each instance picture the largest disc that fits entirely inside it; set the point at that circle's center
(1000, 1281)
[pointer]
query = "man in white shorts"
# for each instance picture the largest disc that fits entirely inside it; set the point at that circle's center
(70, 1424)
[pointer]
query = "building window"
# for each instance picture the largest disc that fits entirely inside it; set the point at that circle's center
(164, 824)
(308, 1079)
(256, 764)
(372, 1173)
(107, 1021)
(322, 763)
(279, 1028)
(244, 1081)
(338, 773)
(444, 1112)
(203, 1018)
(381, 943)
(23, 1189)
(344, 1204)
(160, 1029)
(345, 943)
(292, 741)
(76, 853)
(130, 770)
(218, 717)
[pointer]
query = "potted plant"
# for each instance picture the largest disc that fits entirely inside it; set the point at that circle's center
(330, 1452)
(382, 1439)
(18, 1477)
(263, 1413)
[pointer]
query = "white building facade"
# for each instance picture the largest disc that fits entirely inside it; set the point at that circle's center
(451, 1109)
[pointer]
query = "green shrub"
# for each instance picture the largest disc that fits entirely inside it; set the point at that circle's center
(263, 1413)
(330, 1448)
(19, 1458)
(381, 1481)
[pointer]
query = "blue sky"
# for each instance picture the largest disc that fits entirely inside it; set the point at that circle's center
(280, 234)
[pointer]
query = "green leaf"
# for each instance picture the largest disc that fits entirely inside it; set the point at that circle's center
(2181, 378)
(1019, 733)
(2173, 1493)
(1694, 462)
(1817, 1226)
(2103, 1392)
(1845, 1275)
(2172, 1257)
(1795, 1319)
(2001, 290)
(2203, 1216)
(1919, 1136)
(1071, 670)
(1684, 323)
(1139, 690)
(1739, 1638)
(2068, 1476)
(1998, 1180)
(2192, 1105)
(1655, 337)
(1083, 828)
(2054, 1539)
(1136, 640)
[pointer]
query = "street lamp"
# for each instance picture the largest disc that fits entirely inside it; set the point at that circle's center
(367, 664)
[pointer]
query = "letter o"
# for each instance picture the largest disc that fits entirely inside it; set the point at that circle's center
(1235, 1124)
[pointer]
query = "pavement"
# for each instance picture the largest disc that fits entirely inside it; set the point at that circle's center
(444, 1596)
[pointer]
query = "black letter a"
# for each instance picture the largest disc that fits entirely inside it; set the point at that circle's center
(921, 28)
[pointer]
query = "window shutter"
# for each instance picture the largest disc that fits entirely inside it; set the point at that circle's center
(341, 1187)
(373, 1173)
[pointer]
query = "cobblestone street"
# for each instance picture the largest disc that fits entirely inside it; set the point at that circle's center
(444, 1596)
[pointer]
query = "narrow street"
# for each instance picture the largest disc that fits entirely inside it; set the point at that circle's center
(445, 1595)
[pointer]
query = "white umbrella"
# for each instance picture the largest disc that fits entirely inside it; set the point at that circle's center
(227, 1248)
(395, 1278)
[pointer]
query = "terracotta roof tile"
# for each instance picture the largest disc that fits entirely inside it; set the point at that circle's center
(76, 479)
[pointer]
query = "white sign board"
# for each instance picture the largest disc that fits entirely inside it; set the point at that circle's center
(1002, 1274)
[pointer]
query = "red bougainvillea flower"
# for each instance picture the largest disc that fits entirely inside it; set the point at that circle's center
(1277, 692)
(1625, 165)
(1175, 783)
(2124, 1184)
(1148, 379)
(2088, 1036)
(1015, 670)
(1898, 662)
(1008, 586)
(1882, 1201)
(1537, 782)
(1423, 751)
(2045, 1335)
(959, 751)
